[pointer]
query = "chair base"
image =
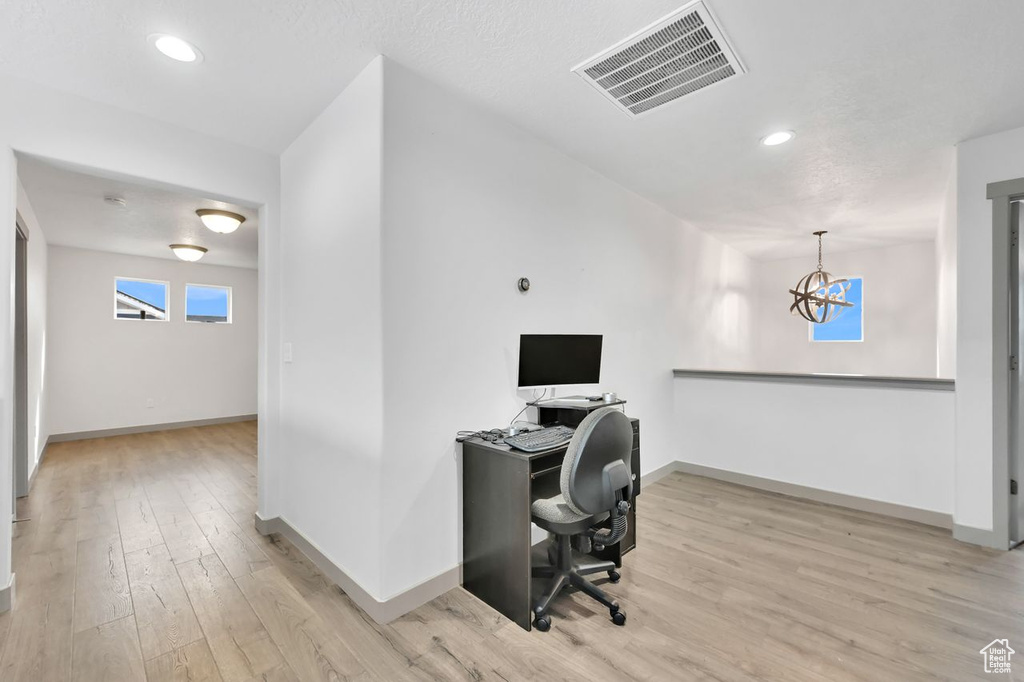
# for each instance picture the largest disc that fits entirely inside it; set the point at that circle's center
(563, 572)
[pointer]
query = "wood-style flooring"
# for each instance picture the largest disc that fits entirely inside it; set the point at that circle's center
(140, 562)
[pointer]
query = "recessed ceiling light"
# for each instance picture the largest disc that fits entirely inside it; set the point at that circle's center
(781, 137)
(223, 222)
(176, 48)
(188, 252)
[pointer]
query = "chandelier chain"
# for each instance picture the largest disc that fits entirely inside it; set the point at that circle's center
(819, 252)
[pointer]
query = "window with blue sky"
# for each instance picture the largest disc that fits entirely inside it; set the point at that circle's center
(140, 299)
(207, 303)
(849, 325)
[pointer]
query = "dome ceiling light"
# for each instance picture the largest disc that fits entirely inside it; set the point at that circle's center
(188, 252)
(221, 222)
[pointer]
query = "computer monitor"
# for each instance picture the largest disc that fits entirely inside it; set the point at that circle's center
(559, 359)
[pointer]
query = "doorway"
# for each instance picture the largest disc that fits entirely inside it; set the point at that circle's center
(20, 432)
(136, 336)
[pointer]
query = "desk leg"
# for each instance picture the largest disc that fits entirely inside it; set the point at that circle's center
(496, 532)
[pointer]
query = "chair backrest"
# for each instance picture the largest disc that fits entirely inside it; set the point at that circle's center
(596, 470)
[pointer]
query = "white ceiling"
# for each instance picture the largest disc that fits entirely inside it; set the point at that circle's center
(878, 91)
(71, 210)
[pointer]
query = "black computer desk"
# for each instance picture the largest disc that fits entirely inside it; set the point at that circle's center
(498, 485)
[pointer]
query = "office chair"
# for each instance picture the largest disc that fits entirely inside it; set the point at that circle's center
(596, 484)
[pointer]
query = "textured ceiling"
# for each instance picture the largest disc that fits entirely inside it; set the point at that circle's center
(71, 210)
(878, 91)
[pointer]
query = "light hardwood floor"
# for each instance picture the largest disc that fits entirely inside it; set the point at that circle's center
(140, 562)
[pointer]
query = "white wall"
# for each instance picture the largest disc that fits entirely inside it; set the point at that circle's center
(102, 371)
(900, 309)
(470, 205)
(885, 444)
(945, 263)
(414, 249)
(332, 402)
(76, 130)
(980, 161)
(38, 417)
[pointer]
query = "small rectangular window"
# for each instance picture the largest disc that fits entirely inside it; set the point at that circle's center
(140, 299)
(849, 325)
(205, 303)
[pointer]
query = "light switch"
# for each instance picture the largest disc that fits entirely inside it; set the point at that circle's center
(286, 352)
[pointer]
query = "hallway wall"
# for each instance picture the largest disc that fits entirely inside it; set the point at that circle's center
(38, 390)
(471, 204)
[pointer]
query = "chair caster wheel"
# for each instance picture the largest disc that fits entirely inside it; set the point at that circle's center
(543, 623)
(619, 617)
(614, 576)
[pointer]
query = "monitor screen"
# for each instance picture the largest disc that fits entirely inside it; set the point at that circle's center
(559, 359)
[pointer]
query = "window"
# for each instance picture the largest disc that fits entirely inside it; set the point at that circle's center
(140, 299)
(849, 326)
(207, 303)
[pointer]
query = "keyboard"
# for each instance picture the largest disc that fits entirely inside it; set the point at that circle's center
(541, 439)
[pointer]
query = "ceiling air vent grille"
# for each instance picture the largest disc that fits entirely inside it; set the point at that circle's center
(674, 57)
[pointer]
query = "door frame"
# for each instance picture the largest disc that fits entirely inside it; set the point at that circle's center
(1015, 465)
(1003, 195)
(20, 407)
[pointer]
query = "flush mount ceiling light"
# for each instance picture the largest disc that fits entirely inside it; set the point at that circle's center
(177, 49)
(781, 137)
(188, 252)
(223, 222)
(819, 297)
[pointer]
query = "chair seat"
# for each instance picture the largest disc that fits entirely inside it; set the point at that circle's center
(554, 515)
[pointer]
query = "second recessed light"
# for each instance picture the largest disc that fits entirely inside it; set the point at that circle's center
(177, 49)
(781, 137)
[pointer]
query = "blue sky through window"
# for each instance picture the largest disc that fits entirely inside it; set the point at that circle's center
(849, 326)
(207, 303)
(153, 293)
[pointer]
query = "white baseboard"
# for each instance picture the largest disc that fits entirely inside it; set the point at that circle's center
(147, 428)
(899, 511)
(35, 471)
(7, 596)
(658, 474)
(977, 536)
(382, 611)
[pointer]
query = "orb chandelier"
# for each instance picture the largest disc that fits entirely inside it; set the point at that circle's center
(819, 297)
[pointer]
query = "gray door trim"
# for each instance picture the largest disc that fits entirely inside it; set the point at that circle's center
(1002, 195)
(1005, 188)
(1014, 377)
(20, 435)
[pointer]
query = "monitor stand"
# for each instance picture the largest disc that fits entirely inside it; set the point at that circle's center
(569, 412)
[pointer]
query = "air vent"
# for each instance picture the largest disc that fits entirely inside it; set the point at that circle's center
(674, 57)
